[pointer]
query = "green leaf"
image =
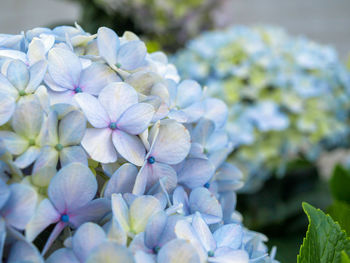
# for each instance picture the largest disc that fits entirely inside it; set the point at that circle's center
(340, 184)
(340, 212)
(324, 239)
(344, 257)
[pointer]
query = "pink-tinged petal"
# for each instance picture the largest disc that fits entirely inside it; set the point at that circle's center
(130, 147)
(225, 255)
(44, 216)
(64, 67)
(122, 181)
(108, 44)
(162, 171)
(20, 206)
(131, 55)
(141, 179)
(18, 74)
(58, 97)
(136, 118)
(170, 252)
(72, 187)
(54, 234)
(92, 212)
(93, 110)
(172, 144)
(86, 238)
(201, 200)
(28, 157)
(229, 235)
(14, 143)
(72, 128)
(120, 211)
(73, 154)
(203, 232)
(22, 251)
(188, 92)
(63, 255)
(7, 107)
(98, 144)
(37, 73)
(195, 172)
(110, 252)
(116, 98)
(97, 76)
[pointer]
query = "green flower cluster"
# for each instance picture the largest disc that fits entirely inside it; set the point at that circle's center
(287, 95)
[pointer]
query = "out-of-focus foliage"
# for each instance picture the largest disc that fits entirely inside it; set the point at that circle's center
(288, 96)
(166, 23)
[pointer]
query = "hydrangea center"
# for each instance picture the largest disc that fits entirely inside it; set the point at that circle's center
(31, 142)
(207, 185)
(156, 249)
(113, 125)
(65, 218)
(59, 147)
(151, 160)
(22, 93)
(78, 90)
(118, 65)
(210, 253)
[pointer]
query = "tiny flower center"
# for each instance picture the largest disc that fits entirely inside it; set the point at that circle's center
(156, 249)
(59, 147)
(207, 185)
(113, 125)
(210, 253)
(118, 65)
(151, 160)
(31, 142)
(21, 93)
(65, 218)
(78, 90)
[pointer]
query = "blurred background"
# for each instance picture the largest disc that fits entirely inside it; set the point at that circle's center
(273, 208)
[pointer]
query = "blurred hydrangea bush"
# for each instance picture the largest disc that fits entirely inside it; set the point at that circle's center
(161, 22)
(288, 96)
(106, 155)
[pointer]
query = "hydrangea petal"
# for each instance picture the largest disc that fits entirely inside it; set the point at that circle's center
(129, 147)
(216, 110)
(203, 233)
(63, 255)
(4, 193)
(14, 143)
(169, 253)
(72, 128)
(131, 55)
(37, 73)
(188, 92)
(28, 157)
(22, 251)
(108, 44)
(7, 108)
(45, 167)
(7, 88)
(162, 171)
(136, 118)
(110, 252)
(228, 256)
(120, 211)
(72, 187)
(18, 74)
(154, 229)
(73, 154)
(97, 143)
(229, 235)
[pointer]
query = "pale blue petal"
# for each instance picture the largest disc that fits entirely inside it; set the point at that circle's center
(120, 211)
(203, 131)
(116, 98)
(37, 73)
(201, 200)
(93, 110)
(216, 110)
(162, 171)
(18, 74)
(131, 55)
(64, 68)
(95, 77)
(180, 197)
(136, 118)
(72, 128)
(229, 235)
(108, 44)
(188, 92)
(65, 255)
(7, 107)
(203, 232)
(122, 181)
(154, 229)
(92, 212)
(54, 234)
(45, 166)
(130, 147)
(51, 137)
(87, 237)
(44, 216)
(110, 252)
(14, 143)
(28, 157)
(72, 187)
(61, 97)
(195, 172)
(7, 88)
(141, 179)
(4, 193)
(98, 144)
(172, 144)
(20, 206)
(170, 252)
(194, 112)
(143, 257)
(73, 154)
(22, 251)
(224, 255)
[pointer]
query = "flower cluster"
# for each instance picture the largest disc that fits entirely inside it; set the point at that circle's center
(163, 22)
(107, 156)
(287, 96)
